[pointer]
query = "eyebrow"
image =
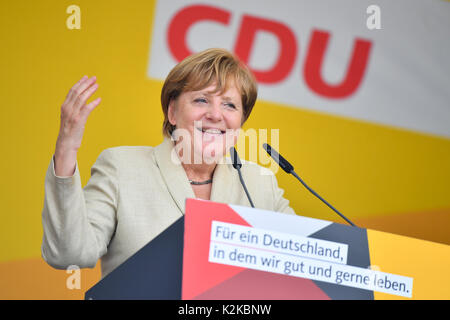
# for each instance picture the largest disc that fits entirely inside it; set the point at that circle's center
(210, 93)
(227, 98)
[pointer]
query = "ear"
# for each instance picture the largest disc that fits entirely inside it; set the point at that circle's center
(171, 112)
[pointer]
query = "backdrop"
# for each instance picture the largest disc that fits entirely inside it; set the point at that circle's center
(357, 93)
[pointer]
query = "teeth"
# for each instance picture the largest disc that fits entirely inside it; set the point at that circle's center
(212, 131)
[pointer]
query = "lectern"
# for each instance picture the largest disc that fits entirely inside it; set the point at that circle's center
(222, 251)
(154, 272)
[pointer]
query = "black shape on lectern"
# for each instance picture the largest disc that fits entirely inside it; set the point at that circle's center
(154, 272)
(358, 256)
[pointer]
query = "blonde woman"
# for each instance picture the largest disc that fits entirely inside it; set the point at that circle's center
(135, 192)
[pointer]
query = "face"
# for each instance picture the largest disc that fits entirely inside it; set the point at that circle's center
(208, 122)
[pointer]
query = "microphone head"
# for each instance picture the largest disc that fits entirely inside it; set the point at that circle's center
(235, 158)
(282, 162)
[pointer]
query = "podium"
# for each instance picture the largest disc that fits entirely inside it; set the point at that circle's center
(154, 272)
(220, 251)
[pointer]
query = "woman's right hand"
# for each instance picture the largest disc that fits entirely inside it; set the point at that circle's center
(74, 114)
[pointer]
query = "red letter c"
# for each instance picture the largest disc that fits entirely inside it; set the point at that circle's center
(184, 19)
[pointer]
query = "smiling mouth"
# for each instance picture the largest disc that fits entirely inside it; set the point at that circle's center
(211, 131)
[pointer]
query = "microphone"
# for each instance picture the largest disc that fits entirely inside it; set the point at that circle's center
(237, 165)
(286, 166)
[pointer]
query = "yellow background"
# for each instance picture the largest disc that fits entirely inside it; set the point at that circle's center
(380, 177)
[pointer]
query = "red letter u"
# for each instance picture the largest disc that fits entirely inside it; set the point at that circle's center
(355, 70)
(288, 47)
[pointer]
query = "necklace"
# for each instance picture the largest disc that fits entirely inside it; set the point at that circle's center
(200, 182)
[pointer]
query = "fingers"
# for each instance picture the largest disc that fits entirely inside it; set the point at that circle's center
(84, 84)
(79, 82)
(86, 110)
(79, 88)
(72, 92)
(74, 95)
(74, 112)
(82, 98)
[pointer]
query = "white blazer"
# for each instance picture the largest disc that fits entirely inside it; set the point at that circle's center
(134, 193)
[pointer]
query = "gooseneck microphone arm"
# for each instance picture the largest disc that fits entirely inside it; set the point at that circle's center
(286, 166)
(237, 165)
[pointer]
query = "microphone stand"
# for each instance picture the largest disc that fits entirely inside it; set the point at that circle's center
(237, 165)
(286, 166)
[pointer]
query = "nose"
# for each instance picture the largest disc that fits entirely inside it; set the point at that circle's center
(214, 112)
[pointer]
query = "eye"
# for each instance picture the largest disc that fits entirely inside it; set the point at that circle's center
(200, 100)
(231, 105)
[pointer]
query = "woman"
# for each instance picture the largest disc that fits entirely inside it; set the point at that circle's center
(134, 193)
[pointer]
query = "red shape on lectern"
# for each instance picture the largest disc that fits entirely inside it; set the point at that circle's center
(199, 274)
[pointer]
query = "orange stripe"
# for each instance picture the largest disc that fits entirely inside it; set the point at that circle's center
(35, 279)
(428, 225)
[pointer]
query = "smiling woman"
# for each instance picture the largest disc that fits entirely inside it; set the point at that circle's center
(213, 67)
(211, 119)
(205, 99)
(134, 193)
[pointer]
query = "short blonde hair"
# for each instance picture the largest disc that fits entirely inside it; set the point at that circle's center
(203, 69)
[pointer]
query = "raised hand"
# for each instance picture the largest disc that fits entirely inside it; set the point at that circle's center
(74, 114)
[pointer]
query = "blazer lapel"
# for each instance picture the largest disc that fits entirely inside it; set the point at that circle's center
(173, 173)
(178, 183)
